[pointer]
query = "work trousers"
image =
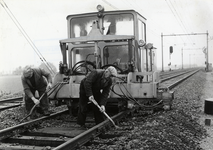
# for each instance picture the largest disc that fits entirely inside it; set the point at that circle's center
(44, 102)
(84, 109)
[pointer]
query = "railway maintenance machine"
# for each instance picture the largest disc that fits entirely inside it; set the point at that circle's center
(110, 38)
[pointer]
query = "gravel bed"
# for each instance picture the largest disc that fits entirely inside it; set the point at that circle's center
(4, 95)
(207, 143)
(13, 116)
(177, 129)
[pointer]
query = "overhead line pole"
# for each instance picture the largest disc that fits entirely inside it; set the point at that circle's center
(162, 50)
(207, 34)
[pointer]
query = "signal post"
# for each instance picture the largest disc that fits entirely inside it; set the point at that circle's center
(206, 52)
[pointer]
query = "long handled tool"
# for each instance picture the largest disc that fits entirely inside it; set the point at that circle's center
(31, 111)
(95, 103)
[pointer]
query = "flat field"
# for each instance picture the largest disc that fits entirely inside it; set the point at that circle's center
(10, 84)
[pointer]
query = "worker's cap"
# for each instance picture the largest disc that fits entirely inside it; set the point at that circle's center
(27, 72)
(113, 71)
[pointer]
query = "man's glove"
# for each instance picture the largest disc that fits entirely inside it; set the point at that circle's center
(91, 98)
(36, 101)
(49, 86)
(102, 108)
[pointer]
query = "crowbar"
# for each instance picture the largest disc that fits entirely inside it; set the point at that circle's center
(95, 103)
(31, 111)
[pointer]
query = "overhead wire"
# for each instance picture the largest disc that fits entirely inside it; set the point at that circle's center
(110, 4)
(4, 5)
(181, 21)
(127, 3)
(179, 14)
(139, 9)
(135, 5)
(176, 18)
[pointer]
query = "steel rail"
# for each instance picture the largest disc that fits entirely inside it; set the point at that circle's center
(17, 101)
(8, 107)
(86, 136)
(172, 72)
(11, 99)
(89, 134)
(173, 76)
(22, 125)
(181, 80)
(14, 100)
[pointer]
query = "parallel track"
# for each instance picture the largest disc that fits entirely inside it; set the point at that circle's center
(16, 102)
(10, 103)
(170, 82)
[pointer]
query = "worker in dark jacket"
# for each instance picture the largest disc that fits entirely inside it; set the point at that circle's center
(36, 79)
(96, 86)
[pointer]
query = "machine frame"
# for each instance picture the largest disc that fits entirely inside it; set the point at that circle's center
(126, 37)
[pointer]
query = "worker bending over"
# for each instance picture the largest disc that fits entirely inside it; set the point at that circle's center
(96, 86)
(36, 79)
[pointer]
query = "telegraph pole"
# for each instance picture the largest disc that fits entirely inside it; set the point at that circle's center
(162, 50)
(207, 55)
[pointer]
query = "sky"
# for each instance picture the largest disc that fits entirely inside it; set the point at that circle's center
(44, 21)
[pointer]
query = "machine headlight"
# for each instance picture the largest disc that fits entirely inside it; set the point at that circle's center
(100, 8)
(141, 43)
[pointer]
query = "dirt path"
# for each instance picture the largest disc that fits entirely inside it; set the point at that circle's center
(207, 143)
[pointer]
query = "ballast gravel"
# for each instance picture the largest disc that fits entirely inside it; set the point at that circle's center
(181, 128)
(176, 129)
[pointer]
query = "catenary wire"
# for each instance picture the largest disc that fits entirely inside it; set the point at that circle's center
(26, 36)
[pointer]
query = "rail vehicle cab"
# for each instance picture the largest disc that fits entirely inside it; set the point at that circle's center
(107, 38)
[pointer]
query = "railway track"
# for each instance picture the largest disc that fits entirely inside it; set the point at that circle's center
(67, 136)
(36, 135)
(165, 76)
(169, 82)
(10, 103)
